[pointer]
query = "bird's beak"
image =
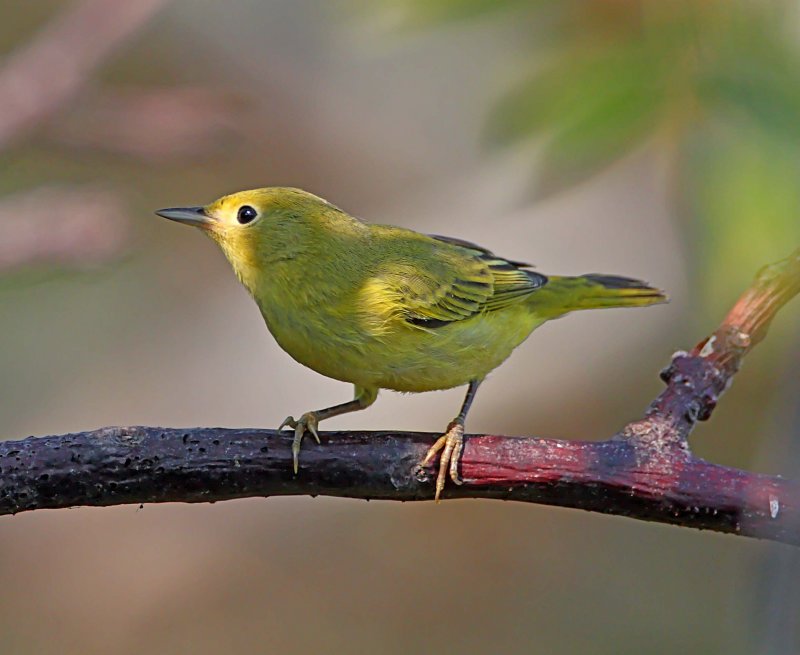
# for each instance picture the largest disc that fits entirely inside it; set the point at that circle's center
(195, 216)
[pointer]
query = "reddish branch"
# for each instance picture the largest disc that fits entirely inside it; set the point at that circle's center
(67, 226)
(154, 123)
(53, 71)
(646, 471)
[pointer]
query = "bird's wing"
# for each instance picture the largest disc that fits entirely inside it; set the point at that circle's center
(469, 245)
(451, 280)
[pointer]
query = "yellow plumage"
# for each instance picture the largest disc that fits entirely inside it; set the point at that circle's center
(384, 307)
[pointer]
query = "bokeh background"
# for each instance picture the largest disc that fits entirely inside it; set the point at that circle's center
(638, 137)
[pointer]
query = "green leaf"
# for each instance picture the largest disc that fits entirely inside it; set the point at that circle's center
(416, 13)
(588, 110)
(751, 71)
(769, 97)
(742, 185)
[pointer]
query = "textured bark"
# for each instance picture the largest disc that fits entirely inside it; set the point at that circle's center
(646, 471)
(115, 466)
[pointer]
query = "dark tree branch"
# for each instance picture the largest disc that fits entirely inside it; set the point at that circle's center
(646, 471)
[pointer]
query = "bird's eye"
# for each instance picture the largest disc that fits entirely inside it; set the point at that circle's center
(246, 214)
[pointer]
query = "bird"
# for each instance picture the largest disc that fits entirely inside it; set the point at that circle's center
(385, 307)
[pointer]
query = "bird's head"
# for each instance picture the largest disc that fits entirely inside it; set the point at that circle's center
(261, 227)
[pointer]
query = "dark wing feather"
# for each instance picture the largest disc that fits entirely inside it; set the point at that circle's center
(462, 243)
(461, 282)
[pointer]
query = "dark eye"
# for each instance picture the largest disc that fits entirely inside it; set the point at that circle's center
(246, 214)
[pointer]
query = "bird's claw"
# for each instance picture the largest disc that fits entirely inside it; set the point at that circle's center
(308, 422)
(451, 444)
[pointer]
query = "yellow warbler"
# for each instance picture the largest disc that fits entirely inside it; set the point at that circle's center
(384, 307)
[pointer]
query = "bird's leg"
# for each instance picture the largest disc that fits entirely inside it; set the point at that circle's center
(309, 422)
(451, 443)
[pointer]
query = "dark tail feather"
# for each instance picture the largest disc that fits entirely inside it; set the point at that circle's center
(595, 290)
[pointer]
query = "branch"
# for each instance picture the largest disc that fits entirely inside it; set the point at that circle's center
(646, 471)
(42, 76)
(68, 226)
(154, 124)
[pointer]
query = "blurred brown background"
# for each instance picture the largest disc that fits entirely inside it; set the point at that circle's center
(642, 138)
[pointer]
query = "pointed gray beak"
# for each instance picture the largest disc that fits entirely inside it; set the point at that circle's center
(195, 216)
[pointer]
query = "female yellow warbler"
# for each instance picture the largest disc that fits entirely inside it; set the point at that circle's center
(384, 307)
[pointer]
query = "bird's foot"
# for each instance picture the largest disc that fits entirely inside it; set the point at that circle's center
(308, 422)
(451, 444)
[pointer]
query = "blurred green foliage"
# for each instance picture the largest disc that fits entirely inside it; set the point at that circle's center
(711, 86)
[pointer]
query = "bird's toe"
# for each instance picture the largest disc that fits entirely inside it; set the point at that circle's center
(450, 444)
(288, 422)
(308, 422)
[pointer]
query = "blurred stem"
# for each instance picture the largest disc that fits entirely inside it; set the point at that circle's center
(775, 285)
(40, 77)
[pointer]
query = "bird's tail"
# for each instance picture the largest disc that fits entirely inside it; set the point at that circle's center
(594, 291)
